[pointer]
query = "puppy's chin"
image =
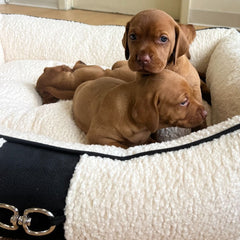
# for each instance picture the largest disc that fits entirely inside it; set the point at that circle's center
(190, 123)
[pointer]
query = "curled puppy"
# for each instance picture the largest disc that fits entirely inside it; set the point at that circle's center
(60, 82)
(125, 114)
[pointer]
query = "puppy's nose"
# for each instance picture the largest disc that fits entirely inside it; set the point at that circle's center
(144, 59)
(203, 113)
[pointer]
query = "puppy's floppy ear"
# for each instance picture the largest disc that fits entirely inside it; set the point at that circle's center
(189, 31)
(181, 44)
(145, 111)
(125, 41)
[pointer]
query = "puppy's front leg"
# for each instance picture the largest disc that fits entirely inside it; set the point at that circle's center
(94, 139)
(200, 127)
(152, 138)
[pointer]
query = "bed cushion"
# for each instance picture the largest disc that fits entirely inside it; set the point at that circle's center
(22, 109)
(64, 41)
(176, 189)
(204, 45)
(1, 48)
(223, 78)
(186, 194)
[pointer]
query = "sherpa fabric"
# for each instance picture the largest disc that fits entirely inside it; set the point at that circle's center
(24, 37)
(191, 193)
(186, 194)
(223, 76)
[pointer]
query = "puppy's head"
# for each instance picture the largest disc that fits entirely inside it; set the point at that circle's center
(178, 105)
(151, 40)
(168, 100)
(51, 77)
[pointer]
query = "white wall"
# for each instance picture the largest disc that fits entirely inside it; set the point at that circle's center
(172, 7)
(215, 12)
(232, 6)
(36, 3)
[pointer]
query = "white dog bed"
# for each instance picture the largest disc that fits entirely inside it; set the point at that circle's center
(187, 188)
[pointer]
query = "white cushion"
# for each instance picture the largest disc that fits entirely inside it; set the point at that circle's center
(204, 44)
(21, 106)
(223, 78)
(25, 37)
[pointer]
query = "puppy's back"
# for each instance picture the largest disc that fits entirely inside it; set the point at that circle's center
(87, 98)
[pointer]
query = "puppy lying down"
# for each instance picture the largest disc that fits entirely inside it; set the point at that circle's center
(113, 112)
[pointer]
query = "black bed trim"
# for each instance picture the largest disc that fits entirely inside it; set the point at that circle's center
(34, 177)
(128, 157)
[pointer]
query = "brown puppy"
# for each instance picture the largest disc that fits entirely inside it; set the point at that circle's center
(125, 114)
(60, 82)
(189, 31)
(51, 85)
(153, 41)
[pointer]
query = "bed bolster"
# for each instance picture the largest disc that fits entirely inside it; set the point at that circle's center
(34, 177)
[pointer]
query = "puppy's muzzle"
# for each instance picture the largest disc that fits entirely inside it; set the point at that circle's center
(144, 59)
(203, 113)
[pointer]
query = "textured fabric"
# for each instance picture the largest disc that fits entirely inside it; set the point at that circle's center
(204, 45)
(21, 106)
(24, 37)
(188, 194)
(223, 76)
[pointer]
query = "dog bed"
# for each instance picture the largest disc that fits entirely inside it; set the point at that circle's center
(186, 187)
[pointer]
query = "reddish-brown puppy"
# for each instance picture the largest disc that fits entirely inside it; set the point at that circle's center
(52, 86)
(125, 114)
(60, 82)
(154, 41)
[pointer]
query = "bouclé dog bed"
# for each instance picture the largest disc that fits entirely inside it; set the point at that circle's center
(57, 186)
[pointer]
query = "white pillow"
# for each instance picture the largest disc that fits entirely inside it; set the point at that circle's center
(223, 78)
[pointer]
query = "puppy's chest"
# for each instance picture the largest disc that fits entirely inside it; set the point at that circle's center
(186, 70)
(178, 67)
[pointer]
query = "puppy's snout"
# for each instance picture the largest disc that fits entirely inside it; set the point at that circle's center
(144, 59)
(203, 113)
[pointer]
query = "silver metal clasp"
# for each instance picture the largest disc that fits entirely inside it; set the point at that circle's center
(13, 219)
(25, 220)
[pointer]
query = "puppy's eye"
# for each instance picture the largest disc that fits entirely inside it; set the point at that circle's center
(163, 39)
(184, 103)
(133, 36)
